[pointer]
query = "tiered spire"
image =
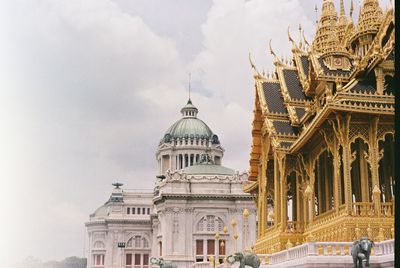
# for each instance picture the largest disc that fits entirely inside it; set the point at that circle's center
(326, 36)
(370, 16)
(342, 23)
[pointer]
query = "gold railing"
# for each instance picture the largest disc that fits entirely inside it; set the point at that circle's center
(387, 209)
(362, 209)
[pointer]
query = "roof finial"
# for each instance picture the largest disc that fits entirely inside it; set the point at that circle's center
(351, 8)
(271, 50)
(316, 13)
(253, 66)
(117, 185)
(300, 43)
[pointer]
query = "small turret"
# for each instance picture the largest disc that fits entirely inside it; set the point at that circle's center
(326, 37)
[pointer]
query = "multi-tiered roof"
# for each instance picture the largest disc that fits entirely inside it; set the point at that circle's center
(343, 69)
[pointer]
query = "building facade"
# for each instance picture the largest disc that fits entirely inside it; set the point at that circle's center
(322, 155)
(198, 208)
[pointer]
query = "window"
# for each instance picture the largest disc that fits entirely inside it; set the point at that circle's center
(210, 247)
(148, 211)
(138, 211)
(210, 223)
(128, 210)
(199, 248)
(145, 243)
(160, 248)
(133, 210)
(128, 260)
(98, 260)
(146, 260)
(137, 241)
(137, 261)
(143, 210)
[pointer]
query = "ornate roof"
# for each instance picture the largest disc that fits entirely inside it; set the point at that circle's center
(344, 73)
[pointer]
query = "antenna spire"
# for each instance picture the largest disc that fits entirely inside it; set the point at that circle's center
(190, 78)
(316, 13)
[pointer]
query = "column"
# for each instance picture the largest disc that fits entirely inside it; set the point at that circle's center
(277, 207)
(336, 174)
(205, 249)
(161, 164)
(263, 185)
(374, 164)
(344, 124)
(283, 191)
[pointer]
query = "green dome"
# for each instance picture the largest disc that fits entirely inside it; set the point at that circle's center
(205, 169)
(189, 127)
(102, 211)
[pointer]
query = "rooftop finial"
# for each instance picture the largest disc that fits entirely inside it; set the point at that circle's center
(117, 185)
(316, 13)
(351, 8)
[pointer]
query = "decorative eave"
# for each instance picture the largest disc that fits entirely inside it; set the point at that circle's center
(116, 221)
(255, 150)
(348, 102)
(194, 196)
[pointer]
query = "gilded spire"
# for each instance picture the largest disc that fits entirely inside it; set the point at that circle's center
(342, 8)
(326, 37)
(342, 22)
(370, 16)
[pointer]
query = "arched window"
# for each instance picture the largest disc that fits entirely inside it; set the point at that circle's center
(138, 242)
(210, 223)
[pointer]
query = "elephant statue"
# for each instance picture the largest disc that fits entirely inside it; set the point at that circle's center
(249, 259)
(163, 264)
(361, 251)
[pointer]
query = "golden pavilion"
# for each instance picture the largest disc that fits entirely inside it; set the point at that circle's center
(322, 153)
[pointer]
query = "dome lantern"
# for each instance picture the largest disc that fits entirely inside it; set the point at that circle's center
(189, 110)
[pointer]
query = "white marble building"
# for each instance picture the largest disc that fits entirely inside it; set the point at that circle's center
(194, 198)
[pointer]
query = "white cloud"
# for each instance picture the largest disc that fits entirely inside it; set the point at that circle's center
(233, 29)
(74, 107)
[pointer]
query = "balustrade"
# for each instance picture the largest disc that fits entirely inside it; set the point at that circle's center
(321, 249)
(363, 209)
(387, 209)
(294, 226)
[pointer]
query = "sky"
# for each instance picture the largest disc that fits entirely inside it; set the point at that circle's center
(88, 88)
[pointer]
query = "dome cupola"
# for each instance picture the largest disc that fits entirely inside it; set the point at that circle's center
(186, 140)
(189, 110)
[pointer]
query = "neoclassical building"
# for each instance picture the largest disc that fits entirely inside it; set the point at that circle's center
(322, 154)
(198, 208)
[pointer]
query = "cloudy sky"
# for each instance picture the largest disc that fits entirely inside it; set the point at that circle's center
(88, 87)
